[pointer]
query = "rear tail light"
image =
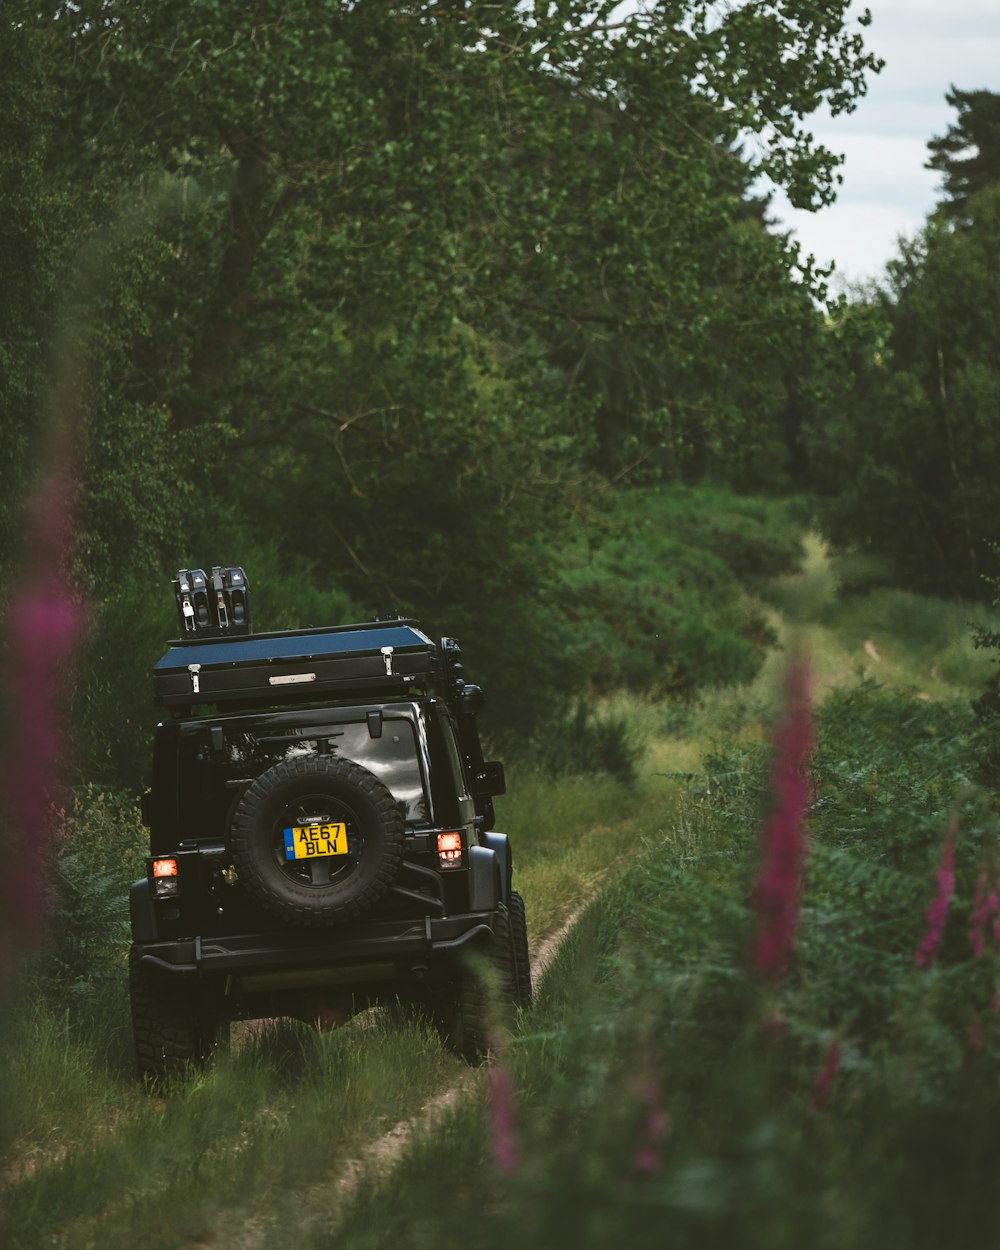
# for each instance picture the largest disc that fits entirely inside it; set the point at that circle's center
(165, 880)
(450, 850)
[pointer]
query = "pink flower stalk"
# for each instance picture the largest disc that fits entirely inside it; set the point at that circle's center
(502, 1117)
(937, 912)
(823, 1085)
(655, 1126)
(984, 905)
(778, 891)
(43, 626)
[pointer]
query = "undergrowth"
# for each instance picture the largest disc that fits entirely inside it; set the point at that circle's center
(264, 1139)
(664, 1095)
(669, 1097)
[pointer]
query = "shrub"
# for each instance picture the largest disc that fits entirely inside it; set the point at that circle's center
(584, 741)
(100, 853)
(657, 593)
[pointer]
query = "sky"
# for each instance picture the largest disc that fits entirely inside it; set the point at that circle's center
(927, 46)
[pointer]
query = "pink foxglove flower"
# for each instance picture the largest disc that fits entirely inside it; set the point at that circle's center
(984, 905)
(502, 1118)
(655, 1126)
(937, 912)
(823, 1085)
(783, 839)
(43, 627)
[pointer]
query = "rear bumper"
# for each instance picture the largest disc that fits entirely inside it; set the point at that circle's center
(347, 955)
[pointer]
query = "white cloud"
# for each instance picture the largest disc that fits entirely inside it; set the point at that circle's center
(873, 164)
(919, 12)
(928, 47)
(860, 238)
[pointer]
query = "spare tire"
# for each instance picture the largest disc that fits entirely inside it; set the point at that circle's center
(352, 814)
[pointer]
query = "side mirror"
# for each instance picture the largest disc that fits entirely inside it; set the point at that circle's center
(490, 780)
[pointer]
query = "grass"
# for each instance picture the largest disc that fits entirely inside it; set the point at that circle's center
(652, 1015)
(285, 1111)
(573, 835)
(230, 1154)
(648, 1010)
(915, 642)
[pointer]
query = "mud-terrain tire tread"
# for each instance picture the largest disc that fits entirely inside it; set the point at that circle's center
(484, 1003)
(171, 1033)
(388, 824)
(522, 960)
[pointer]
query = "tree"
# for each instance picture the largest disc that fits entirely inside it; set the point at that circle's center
(968, 154)
(554, 164)
(911, 451)
(381, 240)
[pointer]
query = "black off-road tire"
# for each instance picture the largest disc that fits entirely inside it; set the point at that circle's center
(519, 941)
(172, 1029)
(486, 995)
(296, 790)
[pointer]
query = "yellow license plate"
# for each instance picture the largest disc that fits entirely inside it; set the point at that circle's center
(311, 841)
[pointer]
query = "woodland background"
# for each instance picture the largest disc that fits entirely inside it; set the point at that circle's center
(396, 305)
(476, 312)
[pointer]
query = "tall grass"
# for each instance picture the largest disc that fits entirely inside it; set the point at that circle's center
(855, 1102)
(660, 1092)
(259, 1144)
(286, 1111)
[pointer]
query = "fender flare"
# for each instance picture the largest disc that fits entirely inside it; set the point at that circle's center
(499, 843)
(142, 913)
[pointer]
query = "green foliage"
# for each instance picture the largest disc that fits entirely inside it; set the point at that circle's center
(904, 432)
(288, 1112)
(36, 212)
(112, 697)
(649, 1017)
(935, 633)
(968, 155)
(656, 587)
(380, 282)
(878, 826)
(585, 742)
(99, 853)
(653, 1035)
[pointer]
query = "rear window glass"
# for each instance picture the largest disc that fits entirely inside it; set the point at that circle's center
(392, 758)
(205, 777)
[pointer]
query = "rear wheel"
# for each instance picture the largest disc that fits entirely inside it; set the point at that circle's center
(519, 939)
(485, 996)
(172, 1029)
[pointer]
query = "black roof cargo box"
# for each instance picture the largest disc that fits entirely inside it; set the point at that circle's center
(385, 658)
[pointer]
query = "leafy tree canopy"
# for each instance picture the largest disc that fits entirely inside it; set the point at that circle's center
(386, 283)
(908, 439)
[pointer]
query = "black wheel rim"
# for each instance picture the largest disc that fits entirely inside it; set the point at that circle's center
(321, 871)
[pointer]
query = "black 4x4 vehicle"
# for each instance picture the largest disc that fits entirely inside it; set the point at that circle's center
(321, 834)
